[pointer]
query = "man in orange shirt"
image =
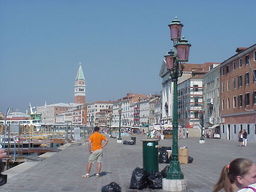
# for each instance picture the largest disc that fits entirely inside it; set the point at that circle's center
(95, 147)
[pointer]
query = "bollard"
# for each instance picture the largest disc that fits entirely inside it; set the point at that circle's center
(150, 155)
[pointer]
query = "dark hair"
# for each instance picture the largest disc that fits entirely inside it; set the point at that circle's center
(238, 167)
(96, 128)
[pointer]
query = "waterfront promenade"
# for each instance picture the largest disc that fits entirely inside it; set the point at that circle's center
(62, 171)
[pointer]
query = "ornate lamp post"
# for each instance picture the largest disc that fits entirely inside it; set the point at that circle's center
(202, 128)
(178, 55)
(119, 139)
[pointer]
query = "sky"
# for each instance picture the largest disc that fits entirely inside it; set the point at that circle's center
(120, 44)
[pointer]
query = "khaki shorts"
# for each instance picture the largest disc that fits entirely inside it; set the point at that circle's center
(96, 156)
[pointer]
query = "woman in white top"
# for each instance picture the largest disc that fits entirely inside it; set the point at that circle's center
(239, 174)
(250, 188)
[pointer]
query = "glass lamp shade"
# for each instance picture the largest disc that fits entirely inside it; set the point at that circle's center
(169, 60)
(183, 50)
(175, 29)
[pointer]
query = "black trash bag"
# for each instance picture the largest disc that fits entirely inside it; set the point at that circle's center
(155, 181)
(111, 187)
(3, 178)
(129, 142)
(139, 179)
(163, 157)
(190, 159)
(164, 148)
(164, 171)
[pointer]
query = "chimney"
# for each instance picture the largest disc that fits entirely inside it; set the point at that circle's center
(240, 49)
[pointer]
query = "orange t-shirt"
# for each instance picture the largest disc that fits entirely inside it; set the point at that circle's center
(96, 140)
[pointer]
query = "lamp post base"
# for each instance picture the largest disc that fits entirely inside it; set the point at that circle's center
(177, 185)
(119, 140)
(201, 141)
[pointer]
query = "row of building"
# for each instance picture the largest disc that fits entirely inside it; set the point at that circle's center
(217, 97)
(220, 97)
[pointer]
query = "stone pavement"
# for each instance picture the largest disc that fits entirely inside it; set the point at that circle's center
(62, 171)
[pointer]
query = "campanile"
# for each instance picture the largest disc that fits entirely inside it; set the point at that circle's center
(79, 88)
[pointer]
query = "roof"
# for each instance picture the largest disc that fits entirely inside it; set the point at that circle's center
(238, 54)
(101, 102)
(80, 73)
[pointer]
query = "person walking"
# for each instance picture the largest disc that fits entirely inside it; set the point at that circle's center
(240, 138)
(244, 138)
(2, 153)
(239, 174)
(96, 143)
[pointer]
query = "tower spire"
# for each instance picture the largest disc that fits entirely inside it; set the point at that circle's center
(80, 73)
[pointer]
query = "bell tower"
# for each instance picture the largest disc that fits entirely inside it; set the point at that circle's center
(79, 88)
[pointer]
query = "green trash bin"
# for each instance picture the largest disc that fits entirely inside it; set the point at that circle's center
(150, 155)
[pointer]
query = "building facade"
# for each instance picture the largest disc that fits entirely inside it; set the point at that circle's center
(94, 108)
(238, 94)
(189, 70)
(190, 102)
(211, 97)
(155, 110)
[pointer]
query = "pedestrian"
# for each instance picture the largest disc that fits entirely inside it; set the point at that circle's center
(240, 138)
(244, 138)
(96, 143)
(2, 154)
(238, 174)
(187, 133)
(249, 188)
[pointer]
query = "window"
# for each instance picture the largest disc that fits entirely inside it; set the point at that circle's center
(241, 127)
(255, 129)
(228, 103)
(240, 81)
(234, 65)
(196, 101)
(234, 82)
(247, 99)
(254, 97)
(222, 87)
(247, 79)
(247, 59)
(254, 76)
(223, 130)
(196, 114)
(222, 104)
(255, 56)
(240, 62)
(248, 129)
(234, 129)
(240, 100)
(195, 87)
(227, 69)
(234, 102)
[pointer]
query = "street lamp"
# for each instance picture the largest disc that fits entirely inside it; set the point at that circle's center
(174, 59)
(119, 139)
(202, 128)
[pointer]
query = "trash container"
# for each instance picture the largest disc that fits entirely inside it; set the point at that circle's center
(134, 139)
(150, 155)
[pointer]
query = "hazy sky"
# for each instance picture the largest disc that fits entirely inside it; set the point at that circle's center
(120, 44)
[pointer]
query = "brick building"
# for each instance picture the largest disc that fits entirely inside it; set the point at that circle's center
(238, 94)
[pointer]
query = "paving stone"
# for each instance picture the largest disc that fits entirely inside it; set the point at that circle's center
(63, 170)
